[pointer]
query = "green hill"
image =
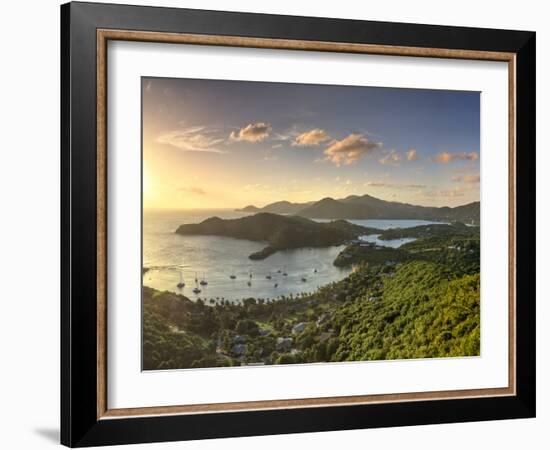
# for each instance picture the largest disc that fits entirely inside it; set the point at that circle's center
(422, 231)
(424, 312)
(417, 309)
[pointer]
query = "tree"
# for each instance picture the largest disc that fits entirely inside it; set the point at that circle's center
(247, 326)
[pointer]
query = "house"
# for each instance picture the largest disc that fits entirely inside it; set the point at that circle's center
(239, 349)
(283, 344)
(239, 339)
(323, 319)
(324, 336)
(298, 328)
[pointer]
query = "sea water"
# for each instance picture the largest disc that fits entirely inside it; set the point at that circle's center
(169, 256)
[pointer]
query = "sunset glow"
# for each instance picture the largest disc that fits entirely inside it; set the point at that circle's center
(228, 144)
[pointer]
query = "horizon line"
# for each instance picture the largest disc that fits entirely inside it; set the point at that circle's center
(307, 201)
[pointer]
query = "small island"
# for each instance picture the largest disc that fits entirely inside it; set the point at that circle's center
(249, 208)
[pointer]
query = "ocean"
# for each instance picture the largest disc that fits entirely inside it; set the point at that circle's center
(169, 257)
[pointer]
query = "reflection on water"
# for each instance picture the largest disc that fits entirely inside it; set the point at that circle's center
(217, 259)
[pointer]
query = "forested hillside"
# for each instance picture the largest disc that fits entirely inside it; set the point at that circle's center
(419, 301)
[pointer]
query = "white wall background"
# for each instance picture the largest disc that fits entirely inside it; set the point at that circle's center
(29, 224)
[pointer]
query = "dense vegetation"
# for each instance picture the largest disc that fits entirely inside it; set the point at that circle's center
(424, 311)
(280, 232)
(459, 250)
(460, 254)
(369, 253)
(421, 300)
(432, 230)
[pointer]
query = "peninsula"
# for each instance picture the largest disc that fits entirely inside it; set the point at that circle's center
(279, 232)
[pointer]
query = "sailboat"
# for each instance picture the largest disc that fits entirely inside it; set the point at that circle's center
(203, 281)
(181, 284)
(196, 289)
(233, 276)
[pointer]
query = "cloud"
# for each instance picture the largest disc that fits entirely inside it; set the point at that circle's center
(394, 185)
(391, 158)
(257, 187)
(350, 149)
(472, 178)
(466, 178)
(270, 157)
(193, 139)
(282, 136)
(312, 137)
(253, 132)
(277, 146)
(445, 193)
(192, 190)
(412, 155)
(446, 157)
(414, 186)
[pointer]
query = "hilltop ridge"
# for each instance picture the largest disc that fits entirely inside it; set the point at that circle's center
(368, 207)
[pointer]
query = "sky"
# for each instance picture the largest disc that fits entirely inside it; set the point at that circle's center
(229, 144)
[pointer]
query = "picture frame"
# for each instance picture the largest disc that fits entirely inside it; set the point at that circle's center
(86, 29)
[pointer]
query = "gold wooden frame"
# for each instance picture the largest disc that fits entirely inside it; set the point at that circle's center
(104, 35)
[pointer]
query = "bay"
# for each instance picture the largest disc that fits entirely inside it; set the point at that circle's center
(169, 256)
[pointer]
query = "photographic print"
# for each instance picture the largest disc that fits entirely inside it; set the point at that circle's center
(297, 223)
